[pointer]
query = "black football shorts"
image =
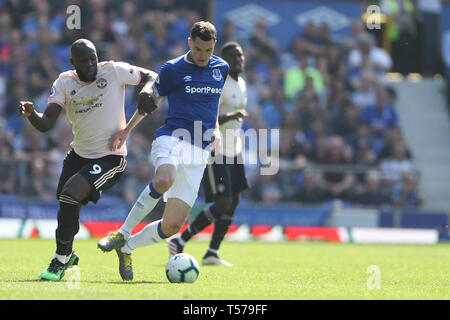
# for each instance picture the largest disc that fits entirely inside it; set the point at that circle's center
(222, 180)
(101, 173)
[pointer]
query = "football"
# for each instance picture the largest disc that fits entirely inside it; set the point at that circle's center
(182, 267)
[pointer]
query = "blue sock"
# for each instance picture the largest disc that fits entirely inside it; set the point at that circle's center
(153, 193)
(160, 233)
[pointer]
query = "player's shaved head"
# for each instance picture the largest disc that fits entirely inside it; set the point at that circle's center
(83, 56)
(227, 47)
(81, 45)
(233, 54)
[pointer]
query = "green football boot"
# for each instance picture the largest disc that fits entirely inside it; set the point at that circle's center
(56, 269)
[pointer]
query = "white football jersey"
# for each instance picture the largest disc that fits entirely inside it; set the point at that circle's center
(96, 109)
(233, 98)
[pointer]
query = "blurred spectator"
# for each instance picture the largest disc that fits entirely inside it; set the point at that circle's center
(370, 193)
(308, 42)
(262, 42)
(446, 58)
(7, 164)
(228, 33)
(274, 110)
(429, 13)
(356, 29)
(381, 117)
(406, 192)
(310, 192)
(345, 124)
(402, 33)
(392, 138)
(367, 54)
(295, 77)
(39, 186)
(392, 168)
(363, 145)
(337, 182)
(267, 190)
(365, 87)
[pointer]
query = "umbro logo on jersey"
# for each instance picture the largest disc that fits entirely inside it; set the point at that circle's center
(187, 78)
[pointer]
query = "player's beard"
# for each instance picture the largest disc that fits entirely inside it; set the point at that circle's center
(86, 76)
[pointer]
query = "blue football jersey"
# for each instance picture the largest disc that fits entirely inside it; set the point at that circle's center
(193, 94)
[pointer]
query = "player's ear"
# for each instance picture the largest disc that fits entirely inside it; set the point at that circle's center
(189, 41)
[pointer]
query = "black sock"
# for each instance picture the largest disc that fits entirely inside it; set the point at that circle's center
(220, 230)
(68, 225)
(203, 219)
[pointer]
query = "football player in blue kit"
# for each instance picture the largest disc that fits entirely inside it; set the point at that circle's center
(181, 147)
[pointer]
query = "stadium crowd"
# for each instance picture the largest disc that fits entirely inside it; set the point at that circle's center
(339, 129)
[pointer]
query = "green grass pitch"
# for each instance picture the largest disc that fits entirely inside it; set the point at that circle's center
(273, 271)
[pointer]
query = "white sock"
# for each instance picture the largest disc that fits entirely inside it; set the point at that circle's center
(216, 252)
(149, 235)
(61, 258)
(143, 205)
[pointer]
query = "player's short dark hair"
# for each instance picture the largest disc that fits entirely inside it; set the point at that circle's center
(229, 45)
(205, 30)
(81, 43)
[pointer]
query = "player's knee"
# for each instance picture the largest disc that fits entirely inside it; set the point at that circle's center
(68, 195)
(223, 204)
(77, 188)
(163, 182)
(235, 202)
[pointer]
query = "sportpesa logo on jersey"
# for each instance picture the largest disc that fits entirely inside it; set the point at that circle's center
(202, 90)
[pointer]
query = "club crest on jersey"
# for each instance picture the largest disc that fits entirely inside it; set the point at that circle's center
(101, 83)
(217, 75)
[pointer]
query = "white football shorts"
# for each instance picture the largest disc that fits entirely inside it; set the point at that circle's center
(190, 162)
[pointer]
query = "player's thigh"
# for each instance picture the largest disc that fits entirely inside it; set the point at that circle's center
(102, 174)
(72, 164)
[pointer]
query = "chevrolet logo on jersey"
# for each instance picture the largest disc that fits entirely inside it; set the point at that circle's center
(87, 101)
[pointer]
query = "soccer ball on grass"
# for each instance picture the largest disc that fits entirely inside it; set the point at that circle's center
(182, 267)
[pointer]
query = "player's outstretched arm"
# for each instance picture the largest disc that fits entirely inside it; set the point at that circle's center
(41, 121)
(236, 115)
(118, 139)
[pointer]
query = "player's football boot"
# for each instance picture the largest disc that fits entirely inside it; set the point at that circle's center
(56, 269)
(125, 265)
(114, 240)
(174, 247)
(213, 260)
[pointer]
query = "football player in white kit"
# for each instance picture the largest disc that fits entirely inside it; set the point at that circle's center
(224, 179)
(93, 98)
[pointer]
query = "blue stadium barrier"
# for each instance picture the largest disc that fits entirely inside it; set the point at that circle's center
(112, 209)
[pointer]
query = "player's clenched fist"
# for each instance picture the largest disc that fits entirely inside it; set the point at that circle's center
(25, 108)
(146, 103)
